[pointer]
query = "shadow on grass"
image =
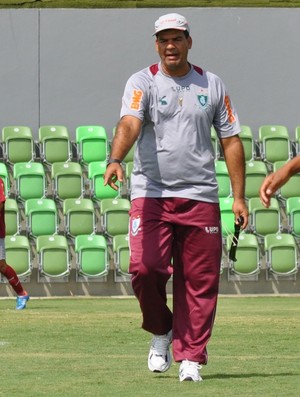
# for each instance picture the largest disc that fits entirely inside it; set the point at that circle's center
(235, 376)
(249, 375)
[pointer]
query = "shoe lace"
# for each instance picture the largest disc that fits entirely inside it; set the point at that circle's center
(193, 364)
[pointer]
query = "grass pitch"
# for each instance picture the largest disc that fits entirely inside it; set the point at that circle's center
(95, 347)
(145, 3)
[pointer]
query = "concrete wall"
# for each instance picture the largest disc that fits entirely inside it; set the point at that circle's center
(69, 66)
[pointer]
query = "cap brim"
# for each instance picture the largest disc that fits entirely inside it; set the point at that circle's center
(161, 30)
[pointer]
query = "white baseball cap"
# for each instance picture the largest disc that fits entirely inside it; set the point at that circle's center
(171, 21)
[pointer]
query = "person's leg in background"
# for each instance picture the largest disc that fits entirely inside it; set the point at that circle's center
(13, 279)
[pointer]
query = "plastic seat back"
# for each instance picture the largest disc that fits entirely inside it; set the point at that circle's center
(255, 173)
(281, 253)
(121, 253)
(30, 180)
(247, 255)
(53, 255)
(292, 187)
(227, 216)
(92, 144)
(96, 172)
(5, 178)
(223, 179)
(263, 220)
(293, 214)
(67, 180)
(247, 139)
(115, 216)
(18, 254)
(12, 217)
(41, 217)
(18, 144)
(79, 217)
(274, 143)
(92, 255)
(55, 144)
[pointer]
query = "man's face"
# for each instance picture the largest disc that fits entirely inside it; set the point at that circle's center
(172, 47)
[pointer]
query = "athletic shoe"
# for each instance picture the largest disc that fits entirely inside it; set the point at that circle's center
(189, 370)
(159, 359)
(21, 301)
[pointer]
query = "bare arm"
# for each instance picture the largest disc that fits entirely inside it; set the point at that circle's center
(127, 131)
(235, 160)
(277, 179)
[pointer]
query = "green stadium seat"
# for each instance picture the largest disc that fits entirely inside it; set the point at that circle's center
(255, 173)
(264, 220)
(227, 216)
(92, 144)
(121, 253)
(115, 216)
(55, 144)
(297, 140)
(248, 142)
(223, 178)
(12, 217)
(41, 217)
(79, 217)
(91, 256)
(4, 175)
(247, 255)
(30, 180)
(292, 187)
(293, 215)
(53, 256)
(18, 256)
(18, 144)
(281, 254)
(67, 180)
(275, 144)
(96, 172)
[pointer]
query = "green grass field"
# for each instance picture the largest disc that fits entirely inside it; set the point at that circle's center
(95, 347)
(144, 3)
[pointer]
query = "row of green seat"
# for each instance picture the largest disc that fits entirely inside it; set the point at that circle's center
(42, 217)
(92, 143)
(92, 255)
(262, 220)
(67, 180)
(274, 143)
(280, 251)
(53, 252)
(93, 148)
(54, 144)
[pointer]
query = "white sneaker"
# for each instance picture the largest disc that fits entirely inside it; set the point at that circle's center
(159, 359)
(189, 370)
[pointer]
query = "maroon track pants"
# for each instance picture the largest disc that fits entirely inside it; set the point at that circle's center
(180, 237)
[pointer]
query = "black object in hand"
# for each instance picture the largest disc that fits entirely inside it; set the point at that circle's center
(235, 239)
